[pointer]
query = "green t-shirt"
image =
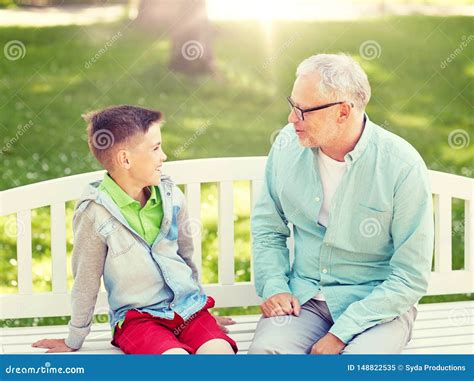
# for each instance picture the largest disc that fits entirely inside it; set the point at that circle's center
(145, 221)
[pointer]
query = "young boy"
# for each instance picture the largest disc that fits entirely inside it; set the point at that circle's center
(130, 228)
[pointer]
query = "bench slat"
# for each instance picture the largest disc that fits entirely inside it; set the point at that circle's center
(453, 282)
(428, 342)
(193, 198)
(47, 330)
(31, 305)
(445, 306)
(237, 335)
(58, 247)
(225, 233)
(255, 189)
(442, 350)
(24, 254)
(469, 234)
(441, 337)
(443, 237)
(454, 185)
(46, 192)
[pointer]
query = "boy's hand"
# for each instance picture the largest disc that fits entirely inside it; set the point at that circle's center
(54, 345)
(222, 321)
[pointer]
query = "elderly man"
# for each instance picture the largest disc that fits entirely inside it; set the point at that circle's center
(360, 204)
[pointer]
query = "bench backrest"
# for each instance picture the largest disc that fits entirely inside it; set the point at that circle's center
(192, 173)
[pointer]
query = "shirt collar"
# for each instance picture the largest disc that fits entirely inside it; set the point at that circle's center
(362, 143)
(122, 198)
(153, 199)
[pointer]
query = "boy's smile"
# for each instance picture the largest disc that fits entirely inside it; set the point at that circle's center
(145, 157)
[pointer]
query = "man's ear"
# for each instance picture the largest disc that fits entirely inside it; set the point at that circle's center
(122, 158)
(345, 110)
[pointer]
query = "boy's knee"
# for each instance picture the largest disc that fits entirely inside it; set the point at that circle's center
(215, 346)
(176, 351)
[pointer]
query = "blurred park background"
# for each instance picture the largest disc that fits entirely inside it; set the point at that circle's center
(220, 71)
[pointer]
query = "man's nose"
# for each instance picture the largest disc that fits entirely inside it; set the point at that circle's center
(292, 118)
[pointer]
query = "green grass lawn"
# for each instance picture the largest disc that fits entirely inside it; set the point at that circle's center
(243, 104)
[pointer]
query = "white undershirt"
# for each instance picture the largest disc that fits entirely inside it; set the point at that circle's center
(331, 172)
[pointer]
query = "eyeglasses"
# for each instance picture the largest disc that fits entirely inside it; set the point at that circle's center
(299, 112)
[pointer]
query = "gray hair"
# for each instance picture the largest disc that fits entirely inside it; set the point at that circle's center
(342, 78)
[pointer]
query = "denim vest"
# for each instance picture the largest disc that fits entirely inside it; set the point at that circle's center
(154, 279)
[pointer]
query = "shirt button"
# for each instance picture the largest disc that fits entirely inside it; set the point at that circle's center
(326, 244)
(325, 271)
(172, 305)
(317, 199)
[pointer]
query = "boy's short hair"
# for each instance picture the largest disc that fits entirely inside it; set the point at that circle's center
(108, 128)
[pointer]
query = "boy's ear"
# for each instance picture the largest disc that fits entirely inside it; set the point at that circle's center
(123, 159)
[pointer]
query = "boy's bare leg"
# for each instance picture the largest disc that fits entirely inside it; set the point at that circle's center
(176, 351)
(215, 346)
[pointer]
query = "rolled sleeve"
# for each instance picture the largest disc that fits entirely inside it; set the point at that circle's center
(269, 238)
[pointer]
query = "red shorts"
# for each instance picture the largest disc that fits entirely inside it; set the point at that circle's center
(142, 333)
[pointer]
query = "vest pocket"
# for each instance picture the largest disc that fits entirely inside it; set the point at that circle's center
(119, 239)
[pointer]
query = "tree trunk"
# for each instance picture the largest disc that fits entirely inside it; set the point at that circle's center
(157, 14)
(188, 26)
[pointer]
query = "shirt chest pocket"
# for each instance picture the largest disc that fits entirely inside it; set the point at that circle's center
(119, 239)
(370, 230)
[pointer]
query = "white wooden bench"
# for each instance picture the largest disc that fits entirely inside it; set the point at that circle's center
(440, 327)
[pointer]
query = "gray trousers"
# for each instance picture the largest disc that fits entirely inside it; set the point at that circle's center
(296, 334)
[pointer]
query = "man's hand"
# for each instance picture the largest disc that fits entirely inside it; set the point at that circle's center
(53, 345)
(328, 345)
(281, 304)
(222, 321)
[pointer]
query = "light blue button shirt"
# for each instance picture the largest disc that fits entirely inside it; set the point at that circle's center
(373, 261)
